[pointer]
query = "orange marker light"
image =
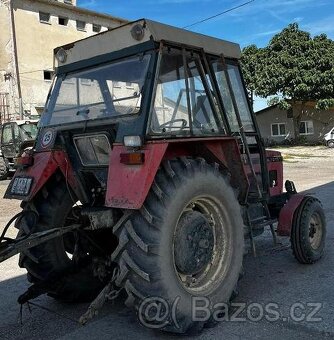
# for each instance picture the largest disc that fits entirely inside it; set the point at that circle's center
(133, 158)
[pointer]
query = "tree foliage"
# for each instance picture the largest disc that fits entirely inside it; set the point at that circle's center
(294, 68)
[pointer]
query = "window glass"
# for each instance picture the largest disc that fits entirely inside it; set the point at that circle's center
(171, 111)
(90, 94)
(203, 119)
(274, 130)
(278, 129)
(240, 97)
(226, 95)
(282, 129)
(16, 132)
(171, 107)
(81, 25)
(44, 17)
(96, 28)
(29, 131)
(306, 127)
(7, 136)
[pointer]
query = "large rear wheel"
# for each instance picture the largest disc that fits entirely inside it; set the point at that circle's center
(56, 265)
(184, 248)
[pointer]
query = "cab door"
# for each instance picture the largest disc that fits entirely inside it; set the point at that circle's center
(8, 141)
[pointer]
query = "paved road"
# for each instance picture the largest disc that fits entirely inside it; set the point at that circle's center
(273, 277)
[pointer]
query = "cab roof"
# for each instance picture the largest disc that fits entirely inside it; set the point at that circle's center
(140, 31)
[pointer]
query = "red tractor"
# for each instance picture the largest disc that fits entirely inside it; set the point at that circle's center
(147, 175)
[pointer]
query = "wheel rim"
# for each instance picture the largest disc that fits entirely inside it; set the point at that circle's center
(331, 144)
(215, 240)
(315, 231)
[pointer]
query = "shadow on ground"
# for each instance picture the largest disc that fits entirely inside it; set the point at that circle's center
(273, 277)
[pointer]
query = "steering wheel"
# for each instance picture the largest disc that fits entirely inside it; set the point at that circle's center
(170, 123)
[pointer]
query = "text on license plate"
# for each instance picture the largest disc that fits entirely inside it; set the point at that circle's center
(21, 186)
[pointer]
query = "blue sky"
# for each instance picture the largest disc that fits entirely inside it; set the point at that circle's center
(254, 23)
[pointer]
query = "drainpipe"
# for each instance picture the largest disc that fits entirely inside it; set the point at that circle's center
(16, 62)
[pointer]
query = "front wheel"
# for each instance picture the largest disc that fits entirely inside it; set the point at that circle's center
(308, 231)
(184, 248)
(330, 143)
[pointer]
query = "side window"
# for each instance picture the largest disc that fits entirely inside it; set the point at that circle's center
(240, 97)
(203, 119)
(218, 69)
(7, 136)
(171, 111)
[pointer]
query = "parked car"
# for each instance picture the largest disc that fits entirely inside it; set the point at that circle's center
(15, 137)
(329, 138)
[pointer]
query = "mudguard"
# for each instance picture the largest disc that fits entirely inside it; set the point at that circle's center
(44, 166)
(128, 185)
(286, 214)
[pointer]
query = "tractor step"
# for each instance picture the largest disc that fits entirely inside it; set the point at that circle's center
(9, 248)
(262, 224)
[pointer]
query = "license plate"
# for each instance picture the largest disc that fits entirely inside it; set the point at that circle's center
(21, 186)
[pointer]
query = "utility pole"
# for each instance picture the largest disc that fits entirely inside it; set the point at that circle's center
(16, 63)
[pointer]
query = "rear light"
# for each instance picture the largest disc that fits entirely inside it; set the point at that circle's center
(133, 158)
(132, 141)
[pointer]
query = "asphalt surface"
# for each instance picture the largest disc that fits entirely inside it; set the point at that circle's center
(273, 277)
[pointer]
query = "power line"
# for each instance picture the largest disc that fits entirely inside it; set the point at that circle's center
(219, 14)
(45, 69)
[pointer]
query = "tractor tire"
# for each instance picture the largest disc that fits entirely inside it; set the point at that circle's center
(308, 231)
(48, 264)
(186, 242)
(330, 143)
(3, 169)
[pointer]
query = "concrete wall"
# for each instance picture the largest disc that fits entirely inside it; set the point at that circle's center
(323, 121)
(35, 44)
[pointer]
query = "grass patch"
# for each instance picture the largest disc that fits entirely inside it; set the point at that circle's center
(287, 156)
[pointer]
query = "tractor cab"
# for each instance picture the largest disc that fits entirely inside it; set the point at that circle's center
(142, 82)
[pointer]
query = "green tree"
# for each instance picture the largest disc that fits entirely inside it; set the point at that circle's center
(294, 68)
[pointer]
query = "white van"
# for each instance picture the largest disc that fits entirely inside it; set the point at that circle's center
(329, 138)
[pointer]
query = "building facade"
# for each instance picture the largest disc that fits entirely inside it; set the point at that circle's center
(30, 30)
(276, 125)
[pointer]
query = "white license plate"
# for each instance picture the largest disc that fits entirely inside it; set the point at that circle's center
(21, 186)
